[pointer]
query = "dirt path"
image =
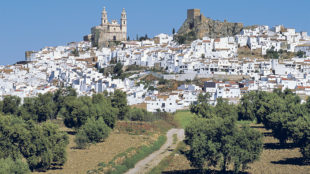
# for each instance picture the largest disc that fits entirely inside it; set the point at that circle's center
(153, 159)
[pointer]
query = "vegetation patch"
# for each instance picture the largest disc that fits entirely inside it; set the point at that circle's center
(183, 118)
(167, 161)
(127, 160)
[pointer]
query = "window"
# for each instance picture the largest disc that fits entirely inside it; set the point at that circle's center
(114, 37)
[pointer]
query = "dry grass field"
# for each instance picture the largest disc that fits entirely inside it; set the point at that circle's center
(274, 160)
(79, 161)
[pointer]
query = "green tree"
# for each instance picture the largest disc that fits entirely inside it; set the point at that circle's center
(104, 109)
(300, 130)
(223, 109)
(28, 110)
(58, 141)
(137, 114)
(247, 107)
(219, 141)
(272, 54)
(119, 101)
(60, 95)
(248, 148)
(42, 145)
(173, 31)
(118, 69)
(75, 113)
(45, 107)
(300, 54)
(93, 131)
(202, 108)
(10, 104)
(8, 165)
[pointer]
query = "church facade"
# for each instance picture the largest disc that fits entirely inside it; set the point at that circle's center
(109, 32)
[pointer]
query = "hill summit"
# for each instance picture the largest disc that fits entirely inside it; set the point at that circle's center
(197, 26)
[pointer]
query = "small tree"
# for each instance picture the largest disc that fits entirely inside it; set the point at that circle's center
(300, 54)
(118, 69)
(93, 131)
(173, 31)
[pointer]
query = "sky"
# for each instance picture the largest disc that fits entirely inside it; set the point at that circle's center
(34, 24)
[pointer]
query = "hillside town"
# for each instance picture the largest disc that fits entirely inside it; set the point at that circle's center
(258, 58)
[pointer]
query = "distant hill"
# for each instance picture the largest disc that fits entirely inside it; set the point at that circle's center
(197, 26)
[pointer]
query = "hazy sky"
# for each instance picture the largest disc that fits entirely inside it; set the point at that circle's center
(34, 24)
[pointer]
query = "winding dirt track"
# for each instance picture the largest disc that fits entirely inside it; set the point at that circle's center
(153, 159)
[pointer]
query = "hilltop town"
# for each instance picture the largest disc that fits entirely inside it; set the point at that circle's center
(163, 74)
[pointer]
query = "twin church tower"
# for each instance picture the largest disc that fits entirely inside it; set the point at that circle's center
(108, 33)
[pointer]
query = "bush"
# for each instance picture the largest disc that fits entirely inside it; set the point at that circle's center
(81, 140)
(137, 114)
(93, 131)
(8, 165)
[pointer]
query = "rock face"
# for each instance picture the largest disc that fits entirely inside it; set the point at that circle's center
(197, 26)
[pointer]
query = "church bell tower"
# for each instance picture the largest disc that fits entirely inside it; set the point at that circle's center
(104, 18)
(124, 21)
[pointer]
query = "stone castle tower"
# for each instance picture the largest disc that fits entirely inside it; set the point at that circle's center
(109, 32)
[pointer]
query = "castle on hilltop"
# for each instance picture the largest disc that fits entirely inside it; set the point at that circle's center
(108, 32)
(197, 26)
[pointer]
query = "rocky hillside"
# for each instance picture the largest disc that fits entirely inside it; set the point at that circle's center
(197, 26)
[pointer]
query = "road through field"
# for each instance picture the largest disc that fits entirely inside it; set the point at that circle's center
(153, 159)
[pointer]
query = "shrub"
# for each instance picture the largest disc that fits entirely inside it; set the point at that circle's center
(137, 114)
(81, 140)
(93, 131)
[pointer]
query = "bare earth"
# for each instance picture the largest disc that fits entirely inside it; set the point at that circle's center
(154, 159)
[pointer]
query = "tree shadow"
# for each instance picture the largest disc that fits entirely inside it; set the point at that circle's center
(258, 126)
(267, 134)
(279, 146)
(292, 161)
(71, 132)
(199, 171)
(51, 168)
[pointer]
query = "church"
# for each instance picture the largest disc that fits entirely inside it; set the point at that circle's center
(108, 33)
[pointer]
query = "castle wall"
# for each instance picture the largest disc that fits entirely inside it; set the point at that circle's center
(192, 13)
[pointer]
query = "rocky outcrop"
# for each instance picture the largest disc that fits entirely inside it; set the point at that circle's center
(197, 26)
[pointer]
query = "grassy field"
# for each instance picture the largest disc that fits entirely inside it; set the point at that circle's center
(183, 118)
(274, 160)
